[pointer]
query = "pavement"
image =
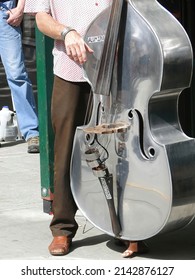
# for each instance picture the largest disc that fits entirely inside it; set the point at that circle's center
(25, 233)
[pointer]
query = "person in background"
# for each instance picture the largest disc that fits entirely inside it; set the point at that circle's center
(66, 22)
(12, 57)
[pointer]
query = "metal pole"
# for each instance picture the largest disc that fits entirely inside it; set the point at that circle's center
(44, 62)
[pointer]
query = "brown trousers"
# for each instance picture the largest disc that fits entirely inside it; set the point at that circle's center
(68, 109)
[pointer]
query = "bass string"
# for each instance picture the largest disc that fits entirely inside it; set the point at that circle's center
(89, 108)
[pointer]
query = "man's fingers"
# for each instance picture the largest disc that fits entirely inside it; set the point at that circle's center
(88, 48)
(77, 51)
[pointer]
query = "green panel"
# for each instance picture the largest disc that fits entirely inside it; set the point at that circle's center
(44, 62)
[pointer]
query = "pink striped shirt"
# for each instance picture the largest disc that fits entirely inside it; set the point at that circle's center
(75, 13)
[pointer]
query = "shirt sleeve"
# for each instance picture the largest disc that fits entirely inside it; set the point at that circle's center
(35, 6)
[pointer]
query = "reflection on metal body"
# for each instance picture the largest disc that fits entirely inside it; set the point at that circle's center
(151, 161)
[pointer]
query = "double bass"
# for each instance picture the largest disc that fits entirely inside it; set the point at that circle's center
(133, 167)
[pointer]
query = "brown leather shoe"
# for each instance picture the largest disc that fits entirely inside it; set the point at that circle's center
(60, 245)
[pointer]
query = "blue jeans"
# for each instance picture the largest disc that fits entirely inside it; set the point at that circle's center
(12, 57)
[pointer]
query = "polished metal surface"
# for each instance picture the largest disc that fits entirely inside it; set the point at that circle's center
(146, 168)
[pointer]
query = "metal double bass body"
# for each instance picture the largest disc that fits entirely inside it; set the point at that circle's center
(133, 167)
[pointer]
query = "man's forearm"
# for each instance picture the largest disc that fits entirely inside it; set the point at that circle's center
(21, 4)
(49, 26)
